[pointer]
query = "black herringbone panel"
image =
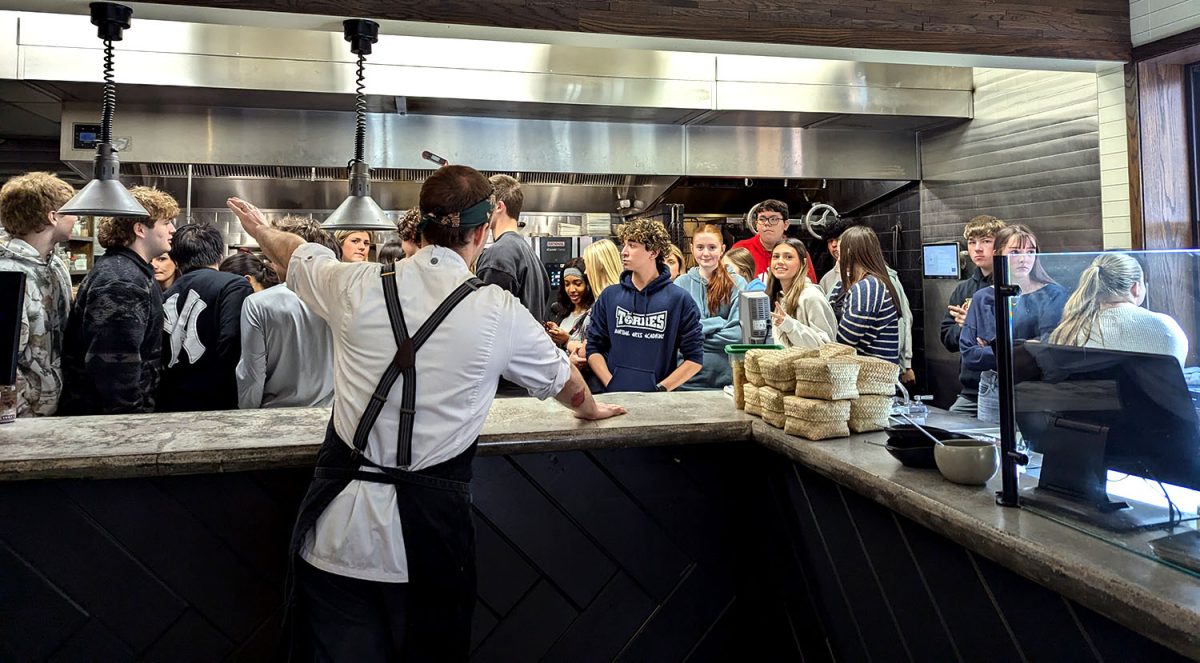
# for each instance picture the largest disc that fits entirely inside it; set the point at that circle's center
(888, 589)
(721, 552)
(581, 557)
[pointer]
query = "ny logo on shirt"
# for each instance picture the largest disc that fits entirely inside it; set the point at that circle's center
(181, 326)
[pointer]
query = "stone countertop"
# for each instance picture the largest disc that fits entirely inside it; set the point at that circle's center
(106, 447)
(1145, 595)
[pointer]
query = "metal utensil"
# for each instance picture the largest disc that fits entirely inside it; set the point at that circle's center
(922, 429)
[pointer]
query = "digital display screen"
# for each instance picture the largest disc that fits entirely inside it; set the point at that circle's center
(940, 261)
(85, 136)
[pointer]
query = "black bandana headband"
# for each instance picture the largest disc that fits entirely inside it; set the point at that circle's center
(475, 215)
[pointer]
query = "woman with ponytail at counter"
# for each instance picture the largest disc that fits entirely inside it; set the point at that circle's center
(801, 317)
(715, 291)
(1106, 312)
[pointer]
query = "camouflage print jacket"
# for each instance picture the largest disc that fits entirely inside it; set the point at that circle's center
(43, 323)
(111, 353)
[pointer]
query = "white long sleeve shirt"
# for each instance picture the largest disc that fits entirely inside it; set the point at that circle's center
(287, 353)
(487, 336)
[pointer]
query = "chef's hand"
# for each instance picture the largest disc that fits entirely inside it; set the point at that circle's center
(959, 314)
(251, 217)
(600, 411)
(908, 376)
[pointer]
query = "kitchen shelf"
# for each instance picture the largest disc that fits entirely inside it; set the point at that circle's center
(80, 238)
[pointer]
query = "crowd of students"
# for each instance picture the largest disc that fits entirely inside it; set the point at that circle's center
(165, 322)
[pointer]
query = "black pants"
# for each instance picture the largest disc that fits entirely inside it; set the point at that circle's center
(350, 619)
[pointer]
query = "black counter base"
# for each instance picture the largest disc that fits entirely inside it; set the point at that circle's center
(708, 552)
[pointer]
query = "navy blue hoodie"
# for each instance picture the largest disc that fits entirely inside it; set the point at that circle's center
(640, 333)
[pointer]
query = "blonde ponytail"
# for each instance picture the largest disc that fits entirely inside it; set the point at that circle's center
(1108, 279)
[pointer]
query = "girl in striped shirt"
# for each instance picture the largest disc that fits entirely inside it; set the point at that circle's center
(865, 302)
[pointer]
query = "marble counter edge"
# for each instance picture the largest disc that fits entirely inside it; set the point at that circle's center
(1092, 584)
(514, 426)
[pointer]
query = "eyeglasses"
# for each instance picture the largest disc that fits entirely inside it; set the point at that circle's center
(770, 220)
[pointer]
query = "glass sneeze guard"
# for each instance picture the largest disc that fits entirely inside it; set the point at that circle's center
(1105, 392)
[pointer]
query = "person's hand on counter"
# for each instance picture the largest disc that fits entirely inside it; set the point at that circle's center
(576, 395)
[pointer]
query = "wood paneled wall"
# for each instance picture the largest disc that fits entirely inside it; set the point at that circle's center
(1086, 29)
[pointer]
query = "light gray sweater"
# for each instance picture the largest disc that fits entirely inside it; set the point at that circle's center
(1135, 329)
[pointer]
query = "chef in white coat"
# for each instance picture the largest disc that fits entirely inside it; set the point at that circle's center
(385, 538)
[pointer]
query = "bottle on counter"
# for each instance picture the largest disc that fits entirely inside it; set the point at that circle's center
(8, 403)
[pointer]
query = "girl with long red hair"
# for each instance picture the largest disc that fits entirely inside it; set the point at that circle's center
(715, 291)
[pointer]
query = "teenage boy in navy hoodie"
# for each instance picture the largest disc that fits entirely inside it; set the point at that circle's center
(641, 327)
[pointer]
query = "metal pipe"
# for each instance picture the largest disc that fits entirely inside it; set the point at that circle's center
(1009, 456)
(188, 213)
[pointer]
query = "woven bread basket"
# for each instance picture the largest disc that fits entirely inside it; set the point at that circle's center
(776, 419)
(752, 358)
(777, 369)
(770, 399)
(870, 413)
(815, 430)
(753, 376)
(811, 409)
(826, 379)
(830, 350)
(750, 396)
(877, 376)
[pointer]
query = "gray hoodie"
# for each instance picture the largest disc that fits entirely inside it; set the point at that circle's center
(43, 323)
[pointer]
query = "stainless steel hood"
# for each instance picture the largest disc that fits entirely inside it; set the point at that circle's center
(271, 101)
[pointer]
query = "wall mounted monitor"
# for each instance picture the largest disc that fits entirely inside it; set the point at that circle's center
(940, 261)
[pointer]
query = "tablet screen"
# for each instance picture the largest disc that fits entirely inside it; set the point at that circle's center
(941, 261)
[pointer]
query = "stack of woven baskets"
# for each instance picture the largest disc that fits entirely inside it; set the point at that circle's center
(817, 393)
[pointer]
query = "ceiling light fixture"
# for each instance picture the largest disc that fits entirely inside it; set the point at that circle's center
(105, 195)
(359, 211)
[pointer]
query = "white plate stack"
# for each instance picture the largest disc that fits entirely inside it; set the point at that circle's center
(597, 224)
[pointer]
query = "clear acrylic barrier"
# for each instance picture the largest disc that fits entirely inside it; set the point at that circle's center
(1105, 390)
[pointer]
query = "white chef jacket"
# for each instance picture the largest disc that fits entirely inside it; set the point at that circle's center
(487, 336)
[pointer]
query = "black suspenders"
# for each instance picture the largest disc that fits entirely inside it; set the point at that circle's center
(404, 363)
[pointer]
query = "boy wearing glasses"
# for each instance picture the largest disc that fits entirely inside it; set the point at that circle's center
(28, 207)
(769, 220)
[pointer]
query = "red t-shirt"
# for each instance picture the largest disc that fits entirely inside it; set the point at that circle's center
(762, 258)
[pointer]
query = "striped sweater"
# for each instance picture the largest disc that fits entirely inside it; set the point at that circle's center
(867, 319)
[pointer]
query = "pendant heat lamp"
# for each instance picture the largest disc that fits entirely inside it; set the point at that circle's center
(359, 211)
(105, 195)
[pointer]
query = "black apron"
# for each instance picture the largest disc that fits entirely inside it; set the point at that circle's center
(434, 503)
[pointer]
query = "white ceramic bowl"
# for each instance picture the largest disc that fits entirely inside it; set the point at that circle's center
(967, 461)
